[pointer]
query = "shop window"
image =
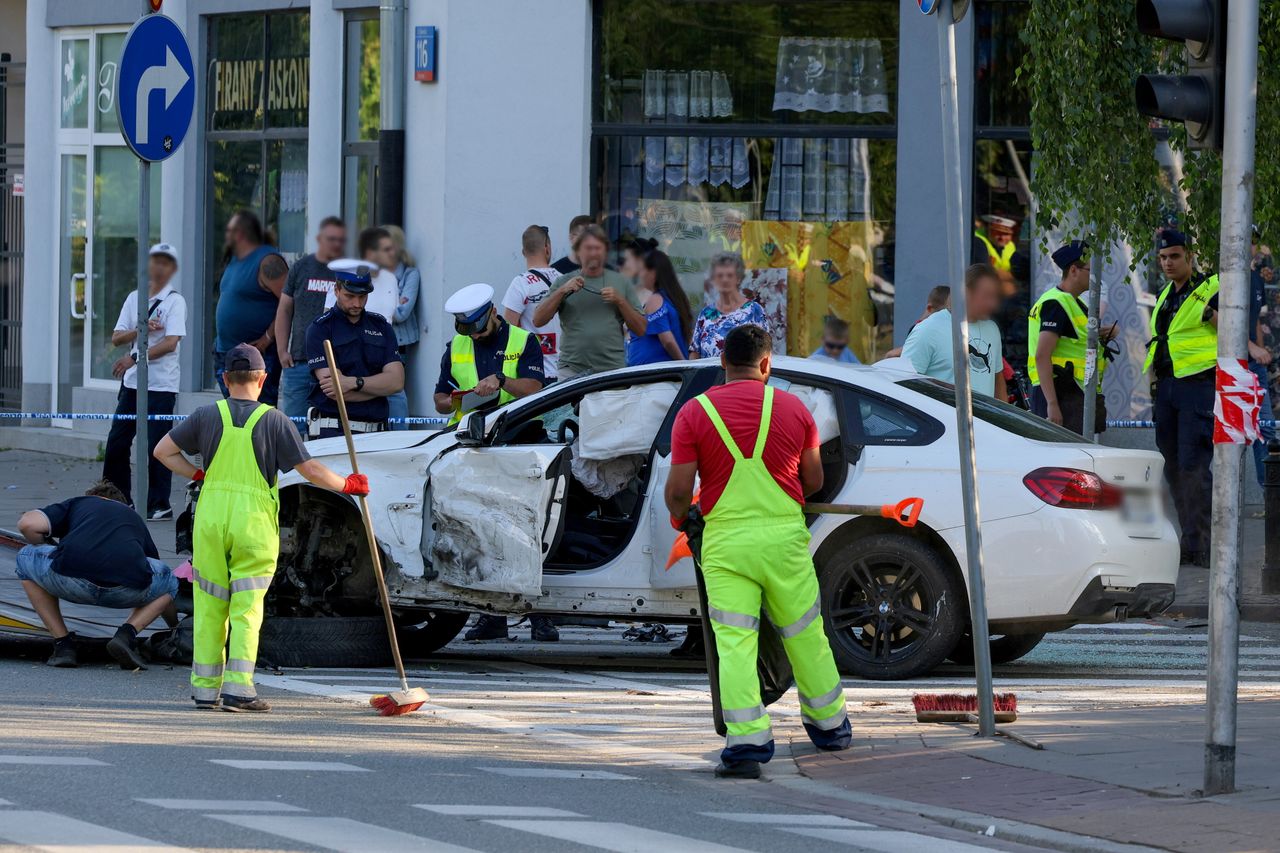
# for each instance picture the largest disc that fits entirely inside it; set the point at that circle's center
(801, 184)
(768, 61)
(75, 83)
(1003, 233)
(1000, 100)
(258, 98)
(361, 118)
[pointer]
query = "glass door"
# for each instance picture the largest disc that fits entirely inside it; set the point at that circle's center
(73, 246)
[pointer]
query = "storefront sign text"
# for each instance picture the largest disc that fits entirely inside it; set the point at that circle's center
(238, 84)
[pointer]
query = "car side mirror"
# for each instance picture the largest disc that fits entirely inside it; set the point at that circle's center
(474, 428)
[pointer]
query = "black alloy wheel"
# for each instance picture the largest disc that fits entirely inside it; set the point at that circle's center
(1005, 648)
(892, 607)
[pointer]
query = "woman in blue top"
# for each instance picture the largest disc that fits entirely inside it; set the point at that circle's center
(405, 319)
(667, 312)
(731, 308)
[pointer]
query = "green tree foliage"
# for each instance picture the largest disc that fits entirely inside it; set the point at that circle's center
(1096, 168)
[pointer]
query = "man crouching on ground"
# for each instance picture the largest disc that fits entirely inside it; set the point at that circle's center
(104, 557)
(236, 536)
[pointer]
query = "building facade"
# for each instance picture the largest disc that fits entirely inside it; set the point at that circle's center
(802, 133)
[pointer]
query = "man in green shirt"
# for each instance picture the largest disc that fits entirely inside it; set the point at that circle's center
(593, 304)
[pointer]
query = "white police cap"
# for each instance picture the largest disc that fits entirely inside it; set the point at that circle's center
(470, 301)
(353, 274)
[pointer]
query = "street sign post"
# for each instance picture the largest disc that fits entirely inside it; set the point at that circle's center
(957, 220)
(155, 101)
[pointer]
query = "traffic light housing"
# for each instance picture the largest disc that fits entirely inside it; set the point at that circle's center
(1194, 98)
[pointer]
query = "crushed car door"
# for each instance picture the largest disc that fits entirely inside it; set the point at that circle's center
(497, 512)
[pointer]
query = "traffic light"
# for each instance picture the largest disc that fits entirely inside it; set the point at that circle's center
(1194, 98)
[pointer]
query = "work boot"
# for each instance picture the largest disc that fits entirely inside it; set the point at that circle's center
(64, 652)
(541, 630)
(738, 770)
(239, 704)
(488, 627)
(124, 648)
(207, 704)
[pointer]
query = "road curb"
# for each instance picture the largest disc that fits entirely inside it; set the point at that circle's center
(1250, 612)
(789, 775)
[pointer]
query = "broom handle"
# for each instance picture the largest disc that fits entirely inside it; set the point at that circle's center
(366, 516)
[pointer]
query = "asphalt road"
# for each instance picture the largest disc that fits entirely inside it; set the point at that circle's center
(593, 743)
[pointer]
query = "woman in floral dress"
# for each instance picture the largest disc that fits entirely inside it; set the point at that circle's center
(732, 307)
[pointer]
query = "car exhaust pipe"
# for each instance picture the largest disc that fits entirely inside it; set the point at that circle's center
(1121, 613)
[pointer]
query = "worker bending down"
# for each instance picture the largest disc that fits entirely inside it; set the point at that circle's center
(243, 443)
(755, 449)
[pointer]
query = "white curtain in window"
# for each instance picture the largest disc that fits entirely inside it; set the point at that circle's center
(831, 75)
(686, 94)
(822, 180)
(696, 160)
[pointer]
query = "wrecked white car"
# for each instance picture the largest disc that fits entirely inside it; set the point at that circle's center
(554, 505)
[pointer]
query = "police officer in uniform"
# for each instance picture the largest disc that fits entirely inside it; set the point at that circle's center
(364, 346)
(1058, 327)
(487, 356)
(1182, 356)
(489, 362)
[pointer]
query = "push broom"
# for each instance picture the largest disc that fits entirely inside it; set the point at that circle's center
(407, 699)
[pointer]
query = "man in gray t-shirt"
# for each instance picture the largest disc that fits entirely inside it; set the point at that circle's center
(302, 301)
(276, 443)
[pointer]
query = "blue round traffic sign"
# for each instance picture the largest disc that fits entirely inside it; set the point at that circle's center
(156, 94)
(928, 7)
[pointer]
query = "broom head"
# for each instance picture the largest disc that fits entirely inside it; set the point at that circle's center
(958, 708)
(400, 702)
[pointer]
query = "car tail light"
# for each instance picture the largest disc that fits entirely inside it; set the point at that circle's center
(1071, 488)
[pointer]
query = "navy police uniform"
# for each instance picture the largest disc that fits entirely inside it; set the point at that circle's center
(362, 348)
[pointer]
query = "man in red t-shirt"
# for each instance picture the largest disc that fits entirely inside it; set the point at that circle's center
(756, 451)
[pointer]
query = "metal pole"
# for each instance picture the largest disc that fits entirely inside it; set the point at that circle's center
(956, 219)
(1091, 349)
(141, 455)
(392, 32)
(1239, 106)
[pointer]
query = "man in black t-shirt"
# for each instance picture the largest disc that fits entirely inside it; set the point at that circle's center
(104, 557)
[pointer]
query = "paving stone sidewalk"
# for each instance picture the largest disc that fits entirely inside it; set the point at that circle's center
(1130, 776)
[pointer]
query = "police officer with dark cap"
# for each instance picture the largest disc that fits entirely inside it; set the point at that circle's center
(1057, 333)
(1182, 357)
(364, 346)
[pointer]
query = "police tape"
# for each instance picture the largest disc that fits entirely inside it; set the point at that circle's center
(97, 416)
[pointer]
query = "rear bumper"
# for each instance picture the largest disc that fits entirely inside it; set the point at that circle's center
(1104, 604)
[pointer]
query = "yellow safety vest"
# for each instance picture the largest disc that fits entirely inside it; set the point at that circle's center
(1002, 259)
(1068, 350)
(1192, 340)
(462, 359)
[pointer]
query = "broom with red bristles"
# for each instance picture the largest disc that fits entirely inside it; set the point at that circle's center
(407, 699)
(958, 708)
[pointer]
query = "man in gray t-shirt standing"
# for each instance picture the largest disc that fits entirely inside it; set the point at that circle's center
(593, 304)
(302, 301)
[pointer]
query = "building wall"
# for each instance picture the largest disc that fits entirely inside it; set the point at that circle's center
(40, 226)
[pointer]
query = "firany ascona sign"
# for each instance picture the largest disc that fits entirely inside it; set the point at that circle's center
(239, 84)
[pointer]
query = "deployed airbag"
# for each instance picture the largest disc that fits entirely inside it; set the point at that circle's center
(622, 421)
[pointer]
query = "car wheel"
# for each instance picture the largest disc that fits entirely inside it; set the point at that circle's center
(1005, 648)
(891, 605)
(324, 641)
(421, 634)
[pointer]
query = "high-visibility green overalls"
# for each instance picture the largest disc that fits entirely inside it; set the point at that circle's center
(236, 542)
(755, 547)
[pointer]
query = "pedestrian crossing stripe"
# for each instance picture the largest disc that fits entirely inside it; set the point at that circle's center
(223, 805)
(258, 764)
(58, 833)
(341, 834)
(618, 837)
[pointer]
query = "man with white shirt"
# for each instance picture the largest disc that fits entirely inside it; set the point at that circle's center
(166, 326)
(528, 289)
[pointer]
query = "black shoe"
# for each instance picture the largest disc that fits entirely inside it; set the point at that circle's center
(160, 514)
(490, 627)
(207, 704)
(238, 704)
(64, 653)
(542, 631)
(738, 770)
(124, 648)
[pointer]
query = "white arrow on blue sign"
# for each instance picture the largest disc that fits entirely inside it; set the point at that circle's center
(156, 88)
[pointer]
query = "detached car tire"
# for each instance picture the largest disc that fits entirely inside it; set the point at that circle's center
(324, 641)
(891, 605)
(1005, 648)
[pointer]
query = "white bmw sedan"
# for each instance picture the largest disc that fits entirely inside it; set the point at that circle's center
(553, 505)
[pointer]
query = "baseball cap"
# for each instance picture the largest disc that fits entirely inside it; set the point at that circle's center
(244, 357)
(165, 249)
